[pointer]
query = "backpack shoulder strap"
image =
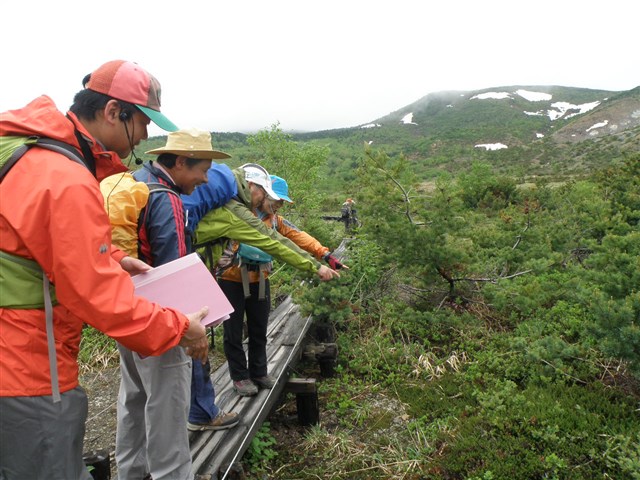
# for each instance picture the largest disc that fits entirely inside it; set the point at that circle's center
(207, 249)
(155, 187)
(50, 144)
(160, 187)
(19, 272)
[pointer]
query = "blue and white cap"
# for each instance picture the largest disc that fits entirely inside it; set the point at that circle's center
(281, 188)
(254, 173)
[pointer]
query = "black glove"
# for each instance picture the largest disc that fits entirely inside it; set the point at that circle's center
(333, 261)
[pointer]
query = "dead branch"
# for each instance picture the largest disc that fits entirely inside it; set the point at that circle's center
(492, 280)
(519, 237)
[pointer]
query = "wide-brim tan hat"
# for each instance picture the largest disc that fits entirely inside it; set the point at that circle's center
(190, 143)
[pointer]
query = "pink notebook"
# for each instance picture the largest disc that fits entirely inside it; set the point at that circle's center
(186, 285)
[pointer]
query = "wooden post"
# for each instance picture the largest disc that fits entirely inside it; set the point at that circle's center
(306, 400)
(326, 355)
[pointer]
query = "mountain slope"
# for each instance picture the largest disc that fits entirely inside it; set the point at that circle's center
(614, 116)
(551, 131)
(530, 130)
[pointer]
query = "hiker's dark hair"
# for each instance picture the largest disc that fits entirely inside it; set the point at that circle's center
(87, 103)
(168, 160)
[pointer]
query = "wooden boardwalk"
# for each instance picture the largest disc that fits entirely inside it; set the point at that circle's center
(215, 452)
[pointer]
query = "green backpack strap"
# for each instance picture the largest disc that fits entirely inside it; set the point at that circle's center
(12, 148)
(21, 289)
(20, 277)
(20, 283)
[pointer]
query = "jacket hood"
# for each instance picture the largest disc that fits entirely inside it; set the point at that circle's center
(42, 118)
(244, 193)
(221, 187)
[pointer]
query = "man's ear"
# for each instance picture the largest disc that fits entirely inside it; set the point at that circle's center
(181, 162)
(111, 111)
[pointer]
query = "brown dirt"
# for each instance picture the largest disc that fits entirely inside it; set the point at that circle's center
(102, 391)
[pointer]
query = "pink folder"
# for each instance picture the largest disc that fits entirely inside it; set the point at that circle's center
(186, 285)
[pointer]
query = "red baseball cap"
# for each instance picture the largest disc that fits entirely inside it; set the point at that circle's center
(129, 82)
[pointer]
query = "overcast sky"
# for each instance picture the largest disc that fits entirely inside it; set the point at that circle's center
(314, 65)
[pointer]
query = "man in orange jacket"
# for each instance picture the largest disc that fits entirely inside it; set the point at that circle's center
(52, 221)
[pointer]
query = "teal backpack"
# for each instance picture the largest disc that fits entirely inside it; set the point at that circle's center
(252, 255)
(24, 283)
(254, 258)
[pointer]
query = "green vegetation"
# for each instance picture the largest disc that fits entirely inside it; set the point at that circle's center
(485, 330)
(489, 325)
(260, 452)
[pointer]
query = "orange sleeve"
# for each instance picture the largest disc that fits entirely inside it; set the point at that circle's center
(302, 239)
(62, 224)
(117, 254)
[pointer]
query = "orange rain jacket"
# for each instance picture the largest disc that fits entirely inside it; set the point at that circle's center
(286, 229)
(51, 211)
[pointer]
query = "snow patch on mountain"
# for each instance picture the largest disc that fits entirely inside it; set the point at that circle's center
(534, 96)
(492, 96)
(598, 125)
(560, 108)
(408, 119)
(492, 146)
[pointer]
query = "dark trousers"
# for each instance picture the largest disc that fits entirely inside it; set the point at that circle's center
(42, 440)
(257, 312)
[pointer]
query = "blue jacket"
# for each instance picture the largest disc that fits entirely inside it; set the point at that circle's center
(161, 226)
(221, 187)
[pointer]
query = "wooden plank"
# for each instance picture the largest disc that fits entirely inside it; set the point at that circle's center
(222, 446)
(213, 450)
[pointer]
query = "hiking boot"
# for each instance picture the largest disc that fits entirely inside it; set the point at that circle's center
(264, 382)
(222, 421)
(245, 388)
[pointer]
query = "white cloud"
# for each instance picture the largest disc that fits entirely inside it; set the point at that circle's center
(247, 65)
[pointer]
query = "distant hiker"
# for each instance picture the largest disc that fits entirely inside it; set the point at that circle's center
(58, 269)
(153, 403)
(348, 215)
